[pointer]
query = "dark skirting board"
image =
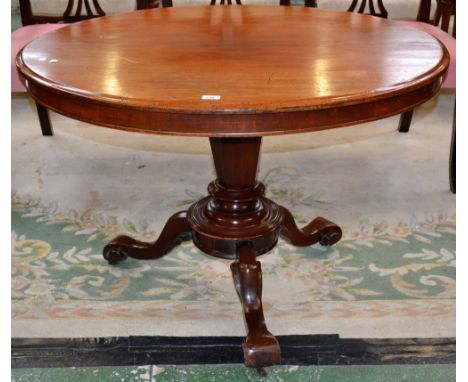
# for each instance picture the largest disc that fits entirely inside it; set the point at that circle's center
(296, 350)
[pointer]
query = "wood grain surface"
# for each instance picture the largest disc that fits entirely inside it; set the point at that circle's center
(233, 71)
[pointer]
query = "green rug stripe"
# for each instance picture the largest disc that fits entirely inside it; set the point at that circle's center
(238, 373)
(418, 265)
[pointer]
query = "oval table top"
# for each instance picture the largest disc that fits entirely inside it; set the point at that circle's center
(232, 70)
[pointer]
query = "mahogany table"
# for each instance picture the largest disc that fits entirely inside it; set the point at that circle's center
(233, 74)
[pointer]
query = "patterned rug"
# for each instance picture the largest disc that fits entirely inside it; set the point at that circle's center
(392, 274)
(238, 373)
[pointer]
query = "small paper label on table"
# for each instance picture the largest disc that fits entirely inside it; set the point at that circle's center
(210, 96)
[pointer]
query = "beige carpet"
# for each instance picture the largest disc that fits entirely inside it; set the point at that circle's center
(369, 170)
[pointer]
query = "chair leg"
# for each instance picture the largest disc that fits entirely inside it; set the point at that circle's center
(44, 120)
(405, 121)
(452, 161)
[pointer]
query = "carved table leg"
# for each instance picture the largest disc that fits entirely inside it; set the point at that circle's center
(174, 232)
(235, 221)
(260, 348)
(320, 230)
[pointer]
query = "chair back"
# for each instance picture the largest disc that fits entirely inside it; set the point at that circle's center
(376, 9)
(225, 2)
(75, 10)
(307, 3)
(73, 14)
(444, 11)
(359, 6)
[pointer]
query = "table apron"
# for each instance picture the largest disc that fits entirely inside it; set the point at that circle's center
(125, 117)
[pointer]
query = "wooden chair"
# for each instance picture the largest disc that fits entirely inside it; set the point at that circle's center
(444, 11)
(376, 7)
(84, 9)
(453, 154)
(36, 25)
(307, 3)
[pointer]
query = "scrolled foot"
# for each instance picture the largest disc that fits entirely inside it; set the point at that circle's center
(320, 230)
(261, 348)
(329, 232)
(174, 232)
(114, 254)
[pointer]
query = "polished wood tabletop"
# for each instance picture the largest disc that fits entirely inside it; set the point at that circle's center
(233, 70)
